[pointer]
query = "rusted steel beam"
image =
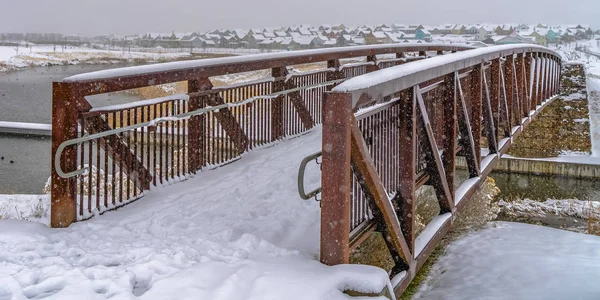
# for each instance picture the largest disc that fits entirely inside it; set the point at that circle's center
(363, 163)
(449, 134)
(119, 150)
(335, 179)
(504, 107)
(280, 74)
(476, 109)
(543, 73)
(334, 75)
(488, 118)
(521, 89)
(495, 94)
(517, 114)
(197, 124)
(372, 67)
(298, 103)
(466, 130)
(528, 82)
(64, 127)
(536, 81)
(226, 118)
(509, 85)
(194, 128)
(407, 139)
(434, 161)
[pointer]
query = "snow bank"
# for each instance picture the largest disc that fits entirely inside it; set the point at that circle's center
(237, 232)
(45, 55)
(517, 261)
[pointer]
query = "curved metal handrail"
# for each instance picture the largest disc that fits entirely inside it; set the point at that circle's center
(301, 171)
(378, 84)
(133, 77)
(183, 116)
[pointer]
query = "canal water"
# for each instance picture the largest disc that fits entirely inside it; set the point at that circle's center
(26, 96)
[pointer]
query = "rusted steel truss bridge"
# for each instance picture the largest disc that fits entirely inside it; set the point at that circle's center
(394, 118)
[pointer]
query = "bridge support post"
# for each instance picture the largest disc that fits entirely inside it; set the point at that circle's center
(449, 132)
(277, 104)
(336, 178)
(333, 75)
(536, 81)
(495, 94)
(476, 112)
(63, 205)
(407, 138)
(521, 91)
(373, 67)
(528, 83)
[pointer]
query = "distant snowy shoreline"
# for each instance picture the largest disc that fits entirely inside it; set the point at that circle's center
(13, 58)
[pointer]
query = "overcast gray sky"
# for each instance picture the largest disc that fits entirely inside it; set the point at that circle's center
(139, 16)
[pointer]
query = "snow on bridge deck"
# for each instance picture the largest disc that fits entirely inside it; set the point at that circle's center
(237, 232)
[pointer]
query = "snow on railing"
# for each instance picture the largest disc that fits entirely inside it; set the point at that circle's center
(387, 81)
(307, 54)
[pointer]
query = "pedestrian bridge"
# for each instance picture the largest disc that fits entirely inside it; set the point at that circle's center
(393, 118)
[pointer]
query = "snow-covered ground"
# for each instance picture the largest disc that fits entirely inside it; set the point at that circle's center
(39, 55)
(237, 232)
(517, 261)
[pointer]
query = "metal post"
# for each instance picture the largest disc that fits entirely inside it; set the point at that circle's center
(476, 111)
(449, 131)
(277, 104)
(495, 94)
(335, 179)
(63, 206)
(521, 92)
(536, 77)
(408, 143)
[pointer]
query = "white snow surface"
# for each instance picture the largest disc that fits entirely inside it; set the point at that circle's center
(237, 232)
(517, 261)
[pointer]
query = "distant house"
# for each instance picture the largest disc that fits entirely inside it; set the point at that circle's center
(193, 42)
(552, 36)
(253, 40)
(459, 29)
(539, 37)
(376, 37)
(344, 40)
(504, 30)
(484, 32)
(513, 38)
(423, 34)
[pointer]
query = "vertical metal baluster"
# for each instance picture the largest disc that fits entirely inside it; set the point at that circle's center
(172, 125)
(128, 149)
(135, 150)
(160, 130)
(82, 164)
(98, 166)
(106, 166)
(90, 173)
(113, 164)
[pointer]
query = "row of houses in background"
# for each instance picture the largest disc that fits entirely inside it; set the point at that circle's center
(309, 37)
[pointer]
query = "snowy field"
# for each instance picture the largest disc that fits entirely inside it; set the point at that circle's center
(12, 58)
(517, 261)
(237, 232)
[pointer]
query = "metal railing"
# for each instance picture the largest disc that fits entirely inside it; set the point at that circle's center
(120, 152)
(391, 132)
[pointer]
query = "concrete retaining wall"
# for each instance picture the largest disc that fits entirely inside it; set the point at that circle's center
(542, 167)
